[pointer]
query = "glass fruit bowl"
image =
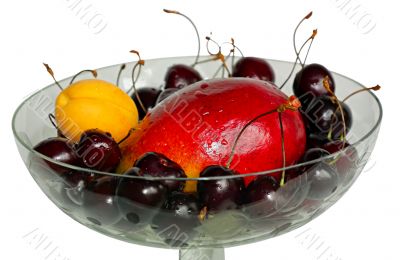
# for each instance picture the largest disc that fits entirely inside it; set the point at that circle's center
(322, 182)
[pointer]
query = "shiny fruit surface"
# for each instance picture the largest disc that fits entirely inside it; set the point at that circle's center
(180, 76)
(253, 67)
(198, 126)
(93, 103)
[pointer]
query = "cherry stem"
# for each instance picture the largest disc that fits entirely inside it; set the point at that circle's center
(226, 66)
(234, 48)
(127, 136)
(292, 103)
(283, 149)
(217, 56)
(139, 64)
(123, 66)
(376, 88)
(52, 118)
(50, 71)
(233, 54)
(296, 29)
(195, 28)
(207, 60)
(217, 71)
(203, 214)
(209, 39)
(311, 38)
(222, 66)
(228, 164)
(93, 72)
(309, 47)
(327, 86)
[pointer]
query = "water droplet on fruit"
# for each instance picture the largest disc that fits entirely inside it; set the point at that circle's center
(220, 111)
(204, 86)
(206, 113)
(224, 142)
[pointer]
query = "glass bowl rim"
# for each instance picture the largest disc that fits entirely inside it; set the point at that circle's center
(242, 175)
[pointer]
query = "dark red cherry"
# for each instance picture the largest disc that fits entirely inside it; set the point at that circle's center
(148, 96)
(98, 151)
(321, 175)
(139, 199)
(180, 76)
(67, 191)
(99, 201)
(58, 149)
(177, 220)
(311, 154)
(220, 194)
(347, 162)
(291, 195)
(166, 93)
(308, 82)
(323, 180)
(75, 185)
(315, 141)
(324, 118)
(314, 154)
(335, 146)
(252, 67)
(58, 183)
(260, 196)
(158, 165)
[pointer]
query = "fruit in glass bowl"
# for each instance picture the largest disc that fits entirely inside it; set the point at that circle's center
(289, 206)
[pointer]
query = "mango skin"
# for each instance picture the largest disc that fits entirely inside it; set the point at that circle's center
(197, 126)
(94, 103)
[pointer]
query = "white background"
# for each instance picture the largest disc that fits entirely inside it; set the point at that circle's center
(364, 224)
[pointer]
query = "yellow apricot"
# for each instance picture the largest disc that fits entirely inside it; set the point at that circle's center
(94, 103)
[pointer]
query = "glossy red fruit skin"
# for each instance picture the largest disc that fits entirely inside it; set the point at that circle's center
(178, 218)
(308, 82)
(220, 194)
(180, 76)
(139, 199)
(98, 151)
(157, 165)
(253, 67)
(58, 149)
(197, 127)
(261, 194)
